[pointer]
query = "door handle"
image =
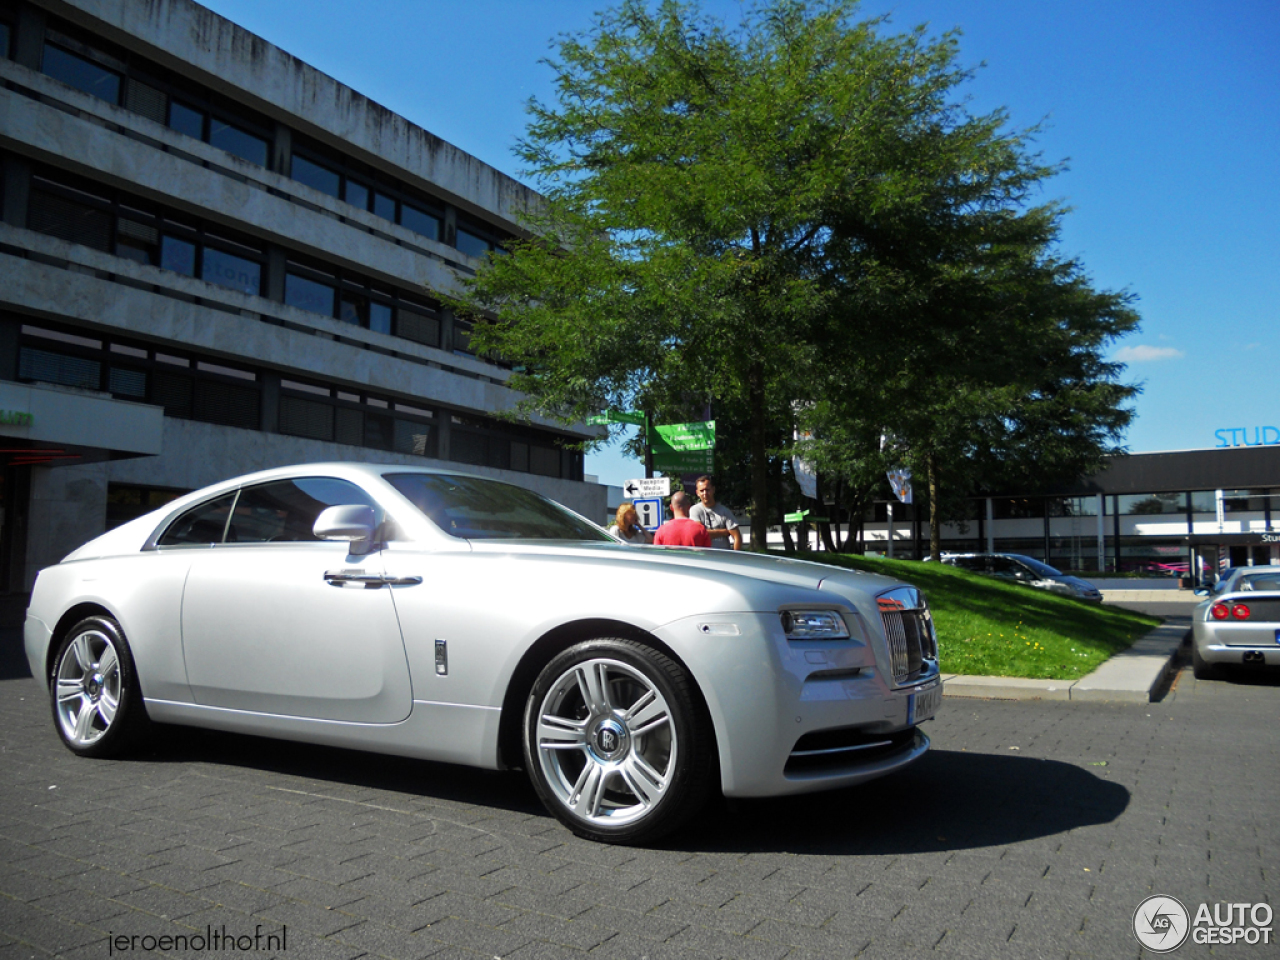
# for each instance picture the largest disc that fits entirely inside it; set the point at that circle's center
(370, 581)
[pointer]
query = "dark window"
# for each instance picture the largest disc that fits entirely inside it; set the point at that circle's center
(357, 194)
(544, 461)
(48, 366)
(186, 120)
(380, 318)
(307, 294)
(471, 244)
(419, 328)
(413, 437)
(178, 256)
(83, 74)
(420, 221)
(126, 382)
(306, 418)
(354, 309)
(316, 176)
(228, 270)
(285, 511)
(68, 216)
(227, 136)
(201, 525)
(4, 39)
(384, 206)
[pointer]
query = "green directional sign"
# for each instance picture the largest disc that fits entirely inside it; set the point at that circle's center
(617, 416)
(683, 448)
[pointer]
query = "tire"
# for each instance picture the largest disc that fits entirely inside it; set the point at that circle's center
(1201, 668)
(617, 742)
(94, 692)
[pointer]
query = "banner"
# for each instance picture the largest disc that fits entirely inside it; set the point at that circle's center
(900, 480)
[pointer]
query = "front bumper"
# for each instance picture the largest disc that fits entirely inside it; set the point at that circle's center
(766, 695)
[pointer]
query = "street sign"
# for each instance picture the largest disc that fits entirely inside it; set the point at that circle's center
(617, 416)
(648, 487)
(683, 448)
(649, 513)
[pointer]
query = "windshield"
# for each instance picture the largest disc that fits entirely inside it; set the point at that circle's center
(1041, 568)
(472, 508)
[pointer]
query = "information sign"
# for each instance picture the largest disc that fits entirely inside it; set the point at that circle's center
(684, 448)
(648, 487)
(649, 513)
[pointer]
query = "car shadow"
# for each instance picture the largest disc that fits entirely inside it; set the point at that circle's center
(949, 800)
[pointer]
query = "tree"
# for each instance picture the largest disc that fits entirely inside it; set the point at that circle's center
(752, 216)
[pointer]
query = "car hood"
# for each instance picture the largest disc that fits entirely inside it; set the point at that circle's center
(756, 566)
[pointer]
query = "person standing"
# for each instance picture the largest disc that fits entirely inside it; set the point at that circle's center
(680, 531)
(628, 526)
(716, 517)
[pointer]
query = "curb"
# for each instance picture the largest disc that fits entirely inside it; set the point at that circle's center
(1135, 675)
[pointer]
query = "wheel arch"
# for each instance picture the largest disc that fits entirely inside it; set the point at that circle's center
(81, 611)
(550, 645)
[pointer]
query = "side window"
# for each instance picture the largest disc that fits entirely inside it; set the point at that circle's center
(1004, 567)
(200, 526)
(286, 510)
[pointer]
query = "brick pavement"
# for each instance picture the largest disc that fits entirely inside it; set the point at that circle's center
(1031, 830)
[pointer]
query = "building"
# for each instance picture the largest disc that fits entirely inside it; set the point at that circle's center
(214, 259)
(1159, 513)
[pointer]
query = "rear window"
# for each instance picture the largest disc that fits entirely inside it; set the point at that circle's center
(472, 508)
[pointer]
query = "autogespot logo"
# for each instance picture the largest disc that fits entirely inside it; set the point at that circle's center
(1161, 924)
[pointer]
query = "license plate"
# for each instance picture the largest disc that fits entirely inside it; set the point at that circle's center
(923, 705)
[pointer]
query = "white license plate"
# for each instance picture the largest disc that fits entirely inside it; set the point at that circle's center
(922, 705)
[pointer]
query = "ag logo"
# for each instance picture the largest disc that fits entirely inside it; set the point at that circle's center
(1161, 924)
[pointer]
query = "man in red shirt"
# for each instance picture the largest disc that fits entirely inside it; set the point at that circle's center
(680, 531)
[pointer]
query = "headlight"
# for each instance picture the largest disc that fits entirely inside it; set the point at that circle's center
(813, 625)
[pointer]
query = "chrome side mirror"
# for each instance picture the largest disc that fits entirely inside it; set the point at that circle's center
(354, 522)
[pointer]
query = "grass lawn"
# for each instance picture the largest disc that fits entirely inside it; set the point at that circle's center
(995, 628)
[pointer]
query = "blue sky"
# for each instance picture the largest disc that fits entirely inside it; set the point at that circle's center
(1167, 113)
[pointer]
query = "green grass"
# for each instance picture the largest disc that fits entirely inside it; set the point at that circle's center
(993, 628)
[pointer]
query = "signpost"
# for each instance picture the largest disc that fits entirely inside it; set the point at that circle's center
(617, 416)
(649, 513)
(684, 448)
(648, 487)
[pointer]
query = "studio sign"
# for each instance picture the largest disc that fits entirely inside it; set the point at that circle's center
(1247, 437)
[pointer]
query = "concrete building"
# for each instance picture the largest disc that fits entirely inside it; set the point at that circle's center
(214, 259)
(1157, 513)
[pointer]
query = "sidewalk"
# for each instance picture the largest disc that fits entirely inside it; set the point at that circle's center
(1133, 675)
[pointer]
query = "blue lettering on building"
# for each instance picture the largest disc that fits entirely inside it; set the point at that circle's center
(1247, 437)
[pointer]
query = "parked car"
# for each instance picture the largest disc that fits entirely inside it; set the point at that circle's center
(1238, 621)
(1026, 570)
(457, 618)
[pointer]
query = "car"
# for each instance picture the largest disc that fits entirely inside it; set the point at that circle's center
(1026, 570)
(1238, 622)
(462, 619)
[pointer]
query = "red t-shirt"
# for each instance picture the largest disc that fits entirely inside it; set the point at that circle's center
(682, 532)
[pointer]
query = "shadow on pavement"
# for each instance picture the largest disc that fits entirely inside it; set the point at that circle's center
(948, 801)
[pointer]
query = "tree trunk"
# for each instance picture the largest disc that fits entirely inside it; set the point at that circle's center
(935, 517)
(759, 459)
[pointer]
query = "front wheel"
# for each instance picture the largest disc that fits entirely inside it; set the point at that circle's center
(97, 704)
(617, 743)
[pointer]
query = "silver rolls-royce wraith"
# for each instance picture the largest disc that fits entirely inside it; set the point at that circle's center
(461, 619)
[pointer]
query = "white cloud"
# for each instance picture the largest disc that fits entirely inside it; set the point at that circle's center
(1147, 354)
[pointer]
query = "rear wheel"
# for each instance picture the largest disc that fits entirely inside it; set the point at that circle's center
(1203, 669)
(617, 743)
(97, 704)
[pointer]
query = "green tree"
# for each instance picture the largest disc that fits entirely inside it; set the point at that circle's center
(754, 216)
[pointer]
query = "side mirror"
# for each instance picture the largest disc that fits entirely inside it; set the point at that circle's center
(353, 522)
(1202, 591)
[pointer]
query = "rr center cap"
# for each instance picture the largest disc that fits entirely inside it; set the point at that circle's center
(93, 686)
(609, 739)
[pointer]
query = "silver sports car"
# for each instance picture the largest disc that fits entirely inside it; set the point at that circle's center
(461, 619)
(1238, 622)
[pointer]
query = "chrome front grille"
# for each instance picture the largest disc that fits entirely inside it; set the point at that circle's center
(909, 629)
